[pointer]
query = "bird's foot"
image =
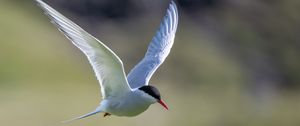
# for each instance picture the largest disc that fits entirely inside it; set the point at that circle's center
(106, 114)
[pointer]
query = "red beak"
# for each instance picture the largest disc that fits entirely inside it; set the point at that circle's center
(163, 104)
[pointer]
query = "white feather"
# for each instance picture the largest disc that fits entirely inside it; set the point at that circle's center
(106, 64)
(158, 50)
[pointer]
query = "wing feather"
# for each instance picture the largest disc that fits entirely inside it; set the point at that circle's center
(106, 64)
(158, 50)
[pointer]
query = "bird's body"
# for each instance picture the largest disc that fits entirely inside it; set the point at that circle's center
(122, 96)
(127, 107)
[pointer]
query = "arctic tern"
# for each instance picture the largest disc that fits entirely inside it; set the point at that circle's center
(121, 96)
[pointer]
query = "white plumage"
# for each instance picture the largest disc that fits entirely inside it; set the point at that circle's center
(120, 97)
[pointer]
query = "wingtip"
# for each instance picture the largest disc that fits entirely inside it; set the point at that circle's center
(42, 4)
(173, 12)
(39, 1)
(173, 7)
(173, 3)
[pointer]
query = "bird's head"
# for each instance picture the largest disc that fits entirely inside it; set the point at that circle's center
(152, 94)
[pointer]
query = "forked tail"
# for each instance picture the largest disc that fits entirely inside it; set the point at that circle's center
(83, 116)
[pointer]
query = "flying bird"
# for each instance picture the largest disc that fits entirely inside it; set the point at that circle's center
(122, 96)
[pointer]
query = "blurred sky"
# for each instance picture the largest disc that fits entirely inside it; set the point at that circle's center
(233, 62)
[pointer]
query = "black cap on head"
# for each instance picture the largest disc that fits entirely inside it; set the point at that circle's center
(152, 91)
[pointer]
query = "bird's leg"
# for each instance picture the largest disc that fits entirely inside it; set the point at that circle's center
(106, 114)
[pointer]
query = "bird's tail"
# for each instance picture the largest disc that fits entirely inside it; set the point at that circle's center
(83, 116)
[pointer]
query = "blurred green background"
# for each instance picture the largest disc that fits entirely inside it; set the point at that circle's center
(234, 63)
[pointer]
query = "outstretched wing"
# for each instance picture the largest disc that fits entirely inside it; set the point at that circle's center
(106, 64)
(158, 50)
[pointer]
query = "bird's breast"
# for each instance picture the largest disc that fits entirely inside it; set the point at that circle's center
(130, 105)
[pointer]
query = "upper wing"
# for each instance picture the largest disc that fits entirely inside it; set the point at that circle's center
(158, 50)
(106, 64)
